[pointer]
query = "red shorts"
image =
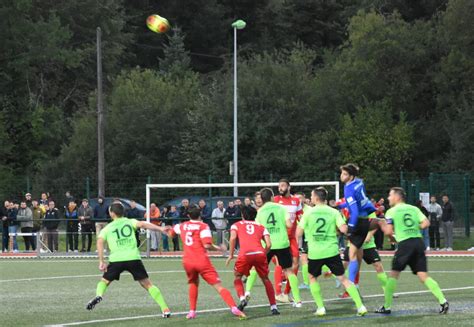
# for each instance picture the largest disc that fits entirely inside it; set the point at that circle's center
(203, 268)
(245, 262)
(294, 248)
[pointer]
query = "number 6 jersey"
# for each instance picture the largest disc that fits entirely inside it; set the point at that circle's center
(194, 235)
(250, 235)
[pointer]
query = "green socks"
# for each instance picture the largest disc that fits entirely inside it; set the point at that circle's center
(304, 270)
(354, 293)
(382, 277)
(316, 293)
(101, 288)
(251, 280)
(158, 297)
(389, 290)
(294, 287)
(434, 288)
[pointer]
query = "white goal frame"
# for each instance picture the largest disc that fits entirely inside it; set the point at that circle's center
(149, 187)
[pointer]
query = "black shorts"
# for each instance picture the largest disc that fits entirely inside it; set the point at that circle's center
(410, 252)
(135, 267)
(334, 264)
(360, 232)
(304, 245)
(285, 260)
(370, 255)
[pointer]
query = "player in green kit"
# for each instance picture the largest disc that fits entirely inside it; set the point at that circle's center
(406, 222)
(320, 225)
(124, 256)
(276, 220)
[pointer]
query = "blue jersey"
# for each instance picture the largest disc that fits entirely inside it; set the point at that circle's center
(358, 203)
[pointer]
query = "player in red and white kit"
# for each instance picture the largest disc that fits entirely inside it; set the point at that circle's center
(197, 239)
(251, 254)
(295, 209)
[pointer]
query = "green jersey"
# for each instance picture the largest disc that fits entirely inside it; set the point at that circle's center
(406, 220)
(120, 236)
(369, 245)
(274, 216)
(319, 224)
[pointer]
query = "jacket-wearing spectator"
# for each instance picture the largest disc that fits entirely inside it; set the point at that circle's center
(174, 215)
(68, 198)
(248, 211)
(28, 200)
(101, 215)
(219, 221)
(154, 219)
(205, 210)
(44, 202)
(25, 217)
(12, 226)
(435, 212)
(448, 220)
(238, 208)
(71, 215)
(184, 208)
(134, 213)
(424, 232)
(86, 214)
(166, 221)
(38, 217)
(51, 223)
(232, 213)
(4, 218)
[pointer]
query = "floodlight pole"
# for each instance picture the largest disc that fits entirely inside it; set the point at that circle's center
(100, 119)
(237, 25)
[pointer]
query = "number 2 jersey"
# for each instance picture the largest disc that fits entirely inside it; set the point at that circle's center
(250, 235)
(194, 235)
(294, 208)
(120, 237)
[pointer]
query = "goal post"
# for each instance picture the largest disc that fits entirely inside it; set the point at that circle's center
(209, 186)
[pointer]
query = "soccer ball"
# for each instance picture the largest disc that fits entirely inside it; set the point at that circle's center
(157, 24)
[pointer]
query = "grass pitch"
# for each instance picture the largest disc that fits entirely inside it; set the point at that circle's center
(39, 292)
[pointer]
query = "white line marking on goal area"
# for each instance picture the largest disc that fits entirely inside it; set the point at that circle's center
(182, 271)
(225, 309)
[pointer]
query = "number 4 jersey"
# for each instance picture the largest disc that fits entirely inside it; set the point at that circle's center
(120, 236)
(194, 234)
(274, 216)
(250, 235)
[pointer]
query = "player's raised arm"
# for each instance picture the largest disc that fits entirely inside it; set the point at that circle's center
(150, 226)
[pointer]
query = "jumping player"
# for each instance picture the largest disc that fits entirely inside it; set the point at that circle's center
(251, 255)
(124, 256)
(197, 239)
(320, 224)
(407, 221)
(276, 220)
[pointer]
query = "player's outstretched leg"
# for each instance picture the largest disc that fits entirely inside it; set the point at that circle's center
(433, 286)
(101, 288)
(270, 295)
(354, 294)
(239, 288)
(193, 296)
(293, 280)
(318, 298)
(250, 282)
(155, 293)
(227, 297)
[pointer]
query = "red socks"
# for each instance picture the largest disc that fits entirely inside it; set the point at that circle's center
(270, 292)
(278, 278)
(239, 287)
(227, 297)
(356, 281)
(193, 296)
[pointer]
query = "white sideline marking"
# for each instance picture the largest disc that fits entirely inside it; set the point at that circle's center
(225, 309)
(182, 271)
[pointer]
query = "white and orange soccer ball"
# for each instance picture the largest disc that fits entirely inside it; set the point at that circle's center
(157, 24)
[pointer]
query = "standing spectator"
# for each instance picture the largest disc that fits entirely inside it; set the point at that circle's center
(154, 219)
(101, 215)
(206, 212)
(380, 213)
(68, 198)
(51, 223)
(72, 226)
(248, 211)
(12, 226)
(44, 202)
(166, 222)
(28, 200)
(183, 210)
(219, 221)
(25, 217)
(86, 214)
(424, 232)
(231, 212)
(38, 216)
(174, 215)
(132, 213)
(448, 221)
(238, 208)
(435, 213)
(4, 217)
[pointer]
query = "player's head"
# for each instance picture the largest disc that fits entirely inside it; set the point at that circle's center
(397, 195)
(258, 199)
(116, 210)
(194, 213)
(319, 195)
(284, 187)
(266, 194)
(349, 172)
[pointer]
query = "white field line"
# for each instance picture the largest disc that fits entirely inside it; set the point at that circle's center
(182, 271)
(77, 323)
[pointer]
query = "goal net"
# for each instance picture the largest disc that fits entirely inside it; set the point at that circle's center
(175, 197)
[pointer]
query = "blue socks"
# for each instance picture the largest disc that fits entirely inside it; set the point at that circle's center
(353, 270)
